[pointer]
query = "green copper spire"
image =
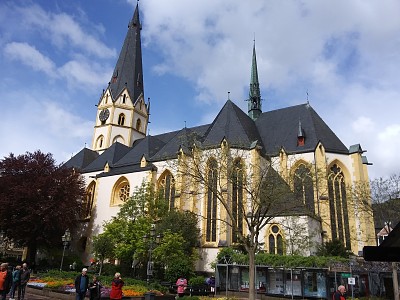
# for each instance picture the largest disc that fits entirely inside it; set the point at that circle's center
(254, 101)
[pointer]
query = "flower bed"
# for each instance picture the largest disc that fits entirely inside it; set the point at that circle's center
(66, 285)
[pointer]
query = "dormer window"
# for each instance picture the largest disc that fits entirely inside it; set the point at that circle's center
(124, 99)
(115, 76)
(300, 135)
(300, 141)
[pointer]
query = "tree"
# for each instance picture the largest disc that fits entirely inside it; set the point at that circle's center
(185, 224)
(258, 194)
(39, 200)
(385, 195)
(333, 248)
(171, 252)
(134, 220)
(103, 247)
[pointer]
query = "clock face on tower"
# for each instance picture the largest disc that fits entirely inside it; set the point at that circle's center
(104, 114)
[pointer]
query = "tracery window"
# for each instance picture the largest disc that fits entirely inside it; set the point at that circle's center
(275, 240)
(87, 204)
(121, 119)
(340, 228)
(166, 186)
(304, 187)
(211, 213)
(120, 192)
(237, 198)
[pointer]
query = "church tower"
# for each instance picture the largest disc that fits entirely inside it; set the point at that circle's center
(254, 101)
(122, 114)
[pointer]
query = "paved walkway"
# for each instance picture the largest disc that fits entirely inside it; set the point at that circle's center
(29, 296)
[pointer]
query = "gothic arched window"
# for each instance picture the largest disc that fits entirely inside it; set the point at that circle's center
(304, 187)
(237, 198)
(340, 228)
(121, 119)
(275, 240)
(211, 214)
(87, 204)
(138, 124)
(166, 185)
(99, 143)
(120, 192)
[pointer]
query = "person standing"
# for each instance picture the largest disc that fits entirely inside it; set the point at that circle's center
(116, 287)
(25, 276)
(95, 289)
(181, 283)
(5, 280)
(340, 293)
(16, 280)
(211, 283)
(81, 284)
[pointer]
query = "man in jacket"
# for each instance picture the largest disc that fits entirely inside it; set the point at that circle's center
(5, 280)
(25, 276)
(81, 285)
(340, 293)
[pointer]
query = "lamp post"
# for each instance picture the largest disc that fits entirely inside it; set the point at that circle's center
(153, 240)
(66, 239)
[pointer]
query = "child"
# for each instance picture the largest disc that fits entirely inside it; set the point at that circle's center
(181, 284)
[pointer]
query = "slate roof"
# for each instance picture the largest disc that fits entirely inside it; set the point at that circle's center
(279, 129)
(82, 159)
(234, 125)
(111, 155)
(146, 147)
(272, 131)
(128, 71)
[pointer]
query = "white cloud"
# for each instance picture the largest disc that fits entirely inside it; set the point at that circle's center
(42, 124)
(390, 133)
(63, 31)
(30, 56)
(363, 125)
(85, 74)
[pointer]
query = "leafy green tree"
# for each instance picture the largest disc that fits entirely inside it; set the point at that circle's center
(171, 252)
(184, 223)
(333, 248)
(39, 200)
(103, 247)
(134, 221)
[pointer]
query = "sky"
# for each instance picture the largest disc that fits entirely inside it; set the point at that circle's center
(342, 56)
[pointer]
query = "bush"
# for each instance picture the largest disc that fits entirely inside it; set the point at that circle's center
(198, 280)
(180, 268)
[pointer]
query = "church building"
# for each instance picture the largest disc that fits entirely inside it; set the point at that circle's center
(322, 173)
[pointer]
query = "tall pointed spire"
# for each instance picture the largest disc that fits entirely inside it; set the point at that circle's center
(254, 101)
(128, 72)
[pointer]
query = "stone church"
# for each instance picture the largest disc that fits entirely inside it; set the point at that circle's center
(319, 169)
